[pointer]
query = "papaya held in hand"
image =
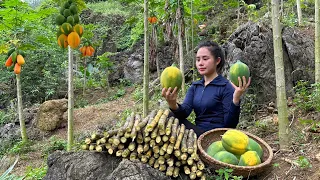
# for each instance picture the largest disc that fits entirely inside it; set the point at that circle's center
(171, 77)
(238, 69)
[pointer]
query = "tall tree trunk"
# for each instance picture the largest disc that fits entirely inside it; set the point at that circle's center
(20, 110)
(299, 12)
(70, 100)
(192, 46)
(85, 74)
(180, 44)
(280, 78)
(186, 39)
(146, 62)
(238, 14)
(157, 57)
(317, 41)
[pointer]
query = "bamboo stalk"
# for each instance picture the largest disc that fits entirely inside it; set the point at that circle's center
(194, 168)
(130, 123)
(186, 170)
(177, 153)
(170, 148)
(103, 140)
(125, 153)
(203, 177)
(100, 148)
(154, 133)
(193, 175)
(146, 147)
(110, 133)
(176, 172)
(177, 163)
(165, 138)
(199, 173)
(200, 165)
(149, 153)
(121, 146)
(85, 147)
(190, 141)
(134, 131)
(119, 153)
(169, 171)
(92, 147)
(162, 152)
(184, 156)
(96, 136)
(165, 146)
(152, 142)
(147, 139)
(156, 164)
(190, 161)
(162, 167)
(133, 156)
(158, 139)
(155, 121)
(108, 145)
(112, 149)
(174, 131)
(156, 156)
(184, 147)
(151, 161)
(162, 122)
(156, 149)
(127, 134)
(180, 136)
(170, 162)
(169, 125)
(132, 146)
(123, 139)
(161, 159)
(144, 122)
(144, 159)
(88, 141)
(167, 156)
(139, 138)
(140, 149)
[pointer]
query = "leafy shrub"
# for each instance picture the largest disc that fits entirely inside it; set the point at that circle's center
(55, 144)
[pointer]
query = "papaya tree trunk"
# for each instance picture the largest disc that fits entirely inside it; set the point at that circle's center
(70, 100)
(280, 78)
(192, 46)
(146, 62)
(317, 41)
(85, 75)
(180, 44)
(157, 57)
(20, 111)
(299, 12)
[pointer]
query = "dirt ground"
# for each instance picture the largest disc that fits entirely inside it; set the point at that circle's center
(284, 166)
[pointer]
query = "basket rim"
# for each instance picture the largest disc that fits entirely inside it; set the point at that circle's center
(246, 168)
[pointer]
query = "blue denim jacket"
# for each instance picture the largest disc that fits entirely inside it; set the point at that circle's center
(212, 104)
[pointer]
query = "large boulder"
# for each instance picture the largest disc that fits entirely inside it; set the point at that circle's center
(50, 114)
(97, 166)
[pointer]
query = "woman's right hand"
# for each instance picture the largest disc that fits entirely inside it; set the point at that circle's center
(171, 97)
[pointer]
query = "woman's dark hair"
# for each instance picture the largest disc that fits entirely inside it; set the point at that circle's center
(215, 51)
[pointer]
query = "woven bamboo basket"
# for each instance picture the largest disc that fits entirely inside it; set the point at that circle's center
(211, 136)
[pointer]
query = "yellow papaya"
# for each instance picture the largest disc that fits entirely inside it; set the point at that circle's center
(235, 141)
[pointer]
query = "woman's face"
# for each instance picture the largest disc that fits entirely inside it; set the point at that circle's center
(205, 62)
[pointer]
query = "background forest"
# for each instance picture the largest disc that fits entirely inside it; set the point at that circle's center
(110, 84)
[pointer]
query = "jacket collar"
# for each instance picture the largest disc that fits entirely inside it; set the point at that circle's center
(219, 80)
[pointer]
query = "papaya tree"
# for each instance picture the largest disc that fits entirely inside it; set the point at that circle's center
(15, 24)
(146, 62)
(299, 12)
(69, 36)
(280, 77)
(317, 41)
(179, 18)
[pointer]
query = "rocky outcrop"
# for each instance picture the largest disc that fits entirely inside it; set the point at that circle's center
(252, 43)
(97, 166)
(50, 114)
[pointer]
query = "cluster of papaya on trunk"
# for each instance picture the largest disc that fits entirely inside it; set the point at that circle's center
(15, 59)
(69, 31)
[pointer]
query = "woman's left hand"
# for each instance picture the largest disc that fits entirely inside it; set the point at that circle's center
(238, 91)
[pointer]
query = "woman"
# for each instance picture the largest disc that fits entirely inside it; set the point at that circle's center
(214, 99)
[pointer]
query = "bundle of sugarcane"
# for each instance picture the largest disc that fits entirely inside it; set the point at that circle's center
(157, 140)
